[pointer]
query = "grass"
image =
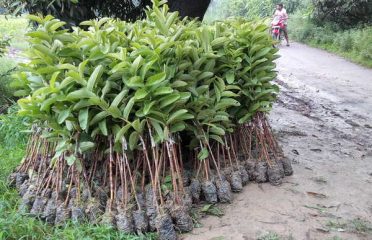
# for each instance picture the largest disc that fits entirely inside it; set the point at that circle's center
(274, 236)
(357, 225)
(270, 236)
(320, 180)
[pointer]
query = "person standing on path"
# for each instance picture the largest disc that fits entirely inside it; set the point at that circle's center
(282, 13)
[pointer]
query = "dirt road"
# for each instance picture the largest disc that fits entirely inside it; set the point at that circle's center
(323, 120)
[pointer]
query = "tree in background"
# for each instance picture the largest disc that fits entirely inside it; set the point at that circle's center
(345, 13)
(250, 9)
(76, 11)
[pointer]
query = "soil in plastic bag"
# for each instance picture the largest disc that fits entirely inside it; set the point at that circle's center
(236, 182)
(224, 193)
(93, 210)
(49, 213)
(244, 175)
(261, 172)
(150, 208)
(62, 214)
(165, 228)
(140, 221)
(250, 167)
(288, 170)
(187, 198)
(209, 191)
(38, 206)
(274, 175)
(124, 221)
(182, 219)
(28, 199)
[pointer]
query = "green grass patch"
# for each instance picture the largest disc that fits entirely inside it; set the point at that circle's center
(357, 225)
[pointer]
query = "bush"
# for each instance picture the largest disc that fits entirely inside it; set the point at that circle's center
(7, 67)
(13, 128)
(346, 13)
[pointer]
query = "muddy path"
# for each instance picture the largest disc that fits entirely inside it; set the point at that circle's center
(323, 120)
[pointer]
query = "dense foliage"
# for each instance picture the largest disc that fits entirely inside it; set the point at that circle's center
(75, 11)
(345, 13)
(118, 78)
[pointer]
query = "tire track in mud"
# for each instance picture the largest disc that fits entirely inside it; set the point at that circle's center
(341, 123)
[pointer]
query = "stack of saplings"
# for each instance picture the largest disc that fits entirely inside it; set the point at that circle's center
(134, 122)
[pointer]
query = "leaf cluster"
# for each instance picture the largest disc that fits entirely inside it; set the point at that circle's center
(157, 77)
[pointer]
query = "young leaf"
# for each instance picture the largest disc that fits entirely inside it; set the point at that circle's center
(133, 140)
(63, 115)
(128, 108)
(70, 160)
(83, 118)
(203, 154)
(96, 75)
(86, 146)
(156, 79)
(103, 127)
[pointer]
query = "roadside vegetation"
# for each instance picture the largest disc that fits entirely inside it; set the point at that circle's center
(346, 32)
(342, 27)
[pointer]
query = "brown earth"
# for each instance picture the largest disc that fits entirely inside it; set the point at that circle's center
(323, 120)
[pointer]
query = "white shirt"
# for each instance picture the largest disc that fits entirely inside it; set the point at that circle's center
(282, 13)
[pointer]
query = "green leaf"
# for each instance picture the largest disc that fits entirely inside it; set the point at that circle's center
(133, 140)
(137, 125)
(140, 94)
(103, 127)
(86, 146)
(128, 108)
(98, 117)
(156, 79)
(177, 127)
(136, 64)
(217, 130)
(163, 91)
(230, 77)
(178, 84)
(203, 154)
(217, 138)
(147, 107)
(83, 118)
(119, 98)
(96, 75)
(169, 100)
(122, 132)
(158, 129)
(63, 115)
(81, 93)
(70, 160)
(205, 75)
